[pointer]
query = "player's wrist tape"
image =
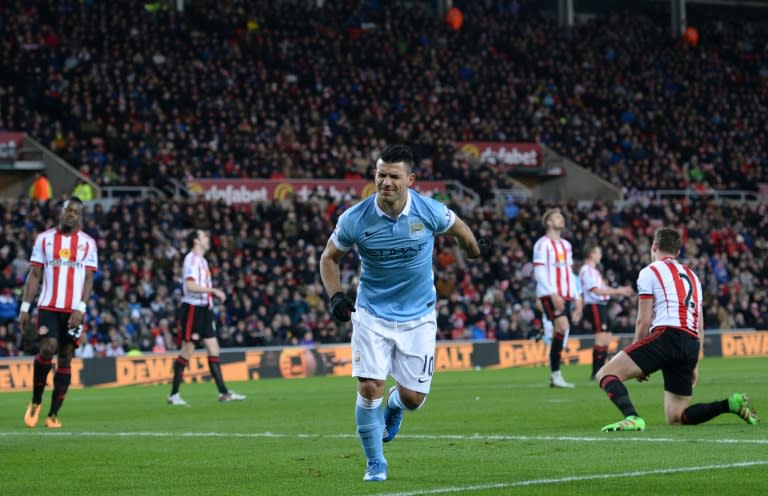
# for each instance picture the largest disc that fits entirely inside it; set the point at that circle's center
(81, 307)
(25, 307)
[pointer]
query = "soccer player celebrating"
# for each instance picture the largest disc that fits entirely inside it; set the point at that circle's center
(596, 295)
(393, 320)
(668, 336)
(556, 287)
(65, 258)
(196, 319)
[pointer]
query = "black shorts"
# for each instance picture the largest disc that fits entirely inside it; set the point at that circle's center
(674, 351)
(52, 324)
(597, 316)
(195, 323)
(549, 308)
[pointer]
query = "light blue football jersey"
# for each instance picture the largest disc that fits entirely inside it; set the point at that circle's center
(396, 278)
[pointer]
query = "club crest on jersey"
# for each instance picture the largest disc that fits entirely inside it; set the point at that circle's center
(416, 229)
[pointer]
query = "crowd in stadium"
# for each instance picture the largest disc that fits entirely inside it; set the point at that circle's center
(234, 90)
(226, 91)
(265, 259)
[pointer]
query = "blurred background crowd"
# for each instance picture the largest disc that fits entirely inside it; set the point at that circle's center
(265, 258)
(284, 89)
(233, 89)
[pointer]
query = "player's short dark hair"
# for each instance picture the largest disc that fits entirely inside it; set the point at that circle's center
(549, 213)
(72, 199)
(668, 240)
(393, 154)
(192, 235)
(589, 247)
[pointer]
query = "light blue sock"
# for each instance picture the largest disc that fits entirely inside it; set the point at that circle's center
(394, 401)
(370, 427)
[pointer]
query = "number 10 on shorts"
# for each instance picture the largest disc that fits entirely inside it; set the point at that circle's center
(429, 365)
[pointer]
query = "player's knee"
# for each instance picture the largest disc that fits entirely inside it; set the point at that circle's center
(602, 373)
(370, 388)
(599, 375)
(48, 348)
(603, 338)
(412, 400)
(561, 322)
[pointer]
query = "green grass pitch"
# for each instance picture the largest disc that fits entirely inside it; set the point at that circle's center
(480, 433)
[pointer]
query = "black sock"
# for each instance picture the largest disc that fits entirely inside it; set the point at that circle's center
(215, 366)
(555, 351)
(61, 381)
(618, 394)
(40, 377)
(178, 373)
(702, 412)
(598, 357)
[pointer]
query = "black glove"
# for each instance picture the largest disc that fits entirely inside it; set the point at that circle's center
(75, 333)
(342, 307)
(486, 246)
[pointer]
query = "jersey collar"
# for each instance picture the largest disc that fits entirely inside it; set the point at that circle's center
(67, 234)
(406, 208)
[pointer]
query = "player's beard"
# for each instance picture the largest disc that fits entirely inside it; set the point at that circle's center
(392, 200)
(67, 228)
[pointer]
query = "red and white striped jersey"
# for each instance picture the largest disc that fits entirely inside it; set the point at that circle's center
(676, 293)
(553, 268)
(590, 279)
(196, 269)
(64, 259)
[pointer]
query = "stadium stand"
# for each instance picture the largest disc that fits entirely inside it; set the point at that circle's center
(132, 97)
(265, 257)
(138, 98)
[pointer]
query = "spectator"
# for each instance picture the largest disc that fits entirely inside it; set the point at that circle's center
(657, 124)
(41, 190)
(248, 277)
(86, 350)
(9, 308)
(84, 191)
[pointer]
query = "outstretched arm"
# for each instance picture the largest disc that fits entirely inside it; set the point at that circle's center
(620, 291)
(193, 287)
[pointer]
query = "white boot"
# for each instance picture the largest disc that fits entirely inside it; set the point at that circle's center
(556, 381)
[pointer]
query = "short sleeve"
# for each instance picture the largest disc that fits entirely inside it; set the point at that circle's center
(587, 279)
(343, 235)
(540, 253)
(38, 254)
(645, 282)
(189, 268)
(92, 257)
(442, 217)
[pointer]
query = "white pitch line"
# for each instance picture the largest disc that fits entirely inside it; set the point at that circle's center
(446, 437)
(578, 478)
